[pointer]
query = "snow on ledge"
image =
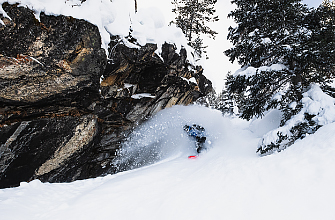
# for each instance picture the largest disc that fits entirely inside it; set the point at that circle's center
(250, 71)
(142, 95)
(4, 14)
(115, 17)
(190, 80)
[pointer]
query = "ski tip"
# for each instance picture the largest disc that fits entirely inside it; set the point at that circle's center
(193, 157)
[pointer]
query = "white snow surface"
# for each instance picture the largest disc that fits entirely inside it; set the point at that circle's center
(315, 102)
(190, 80)
(115, 17)
(250, 71)
(142, 95)
(229, 181)
(321, 105)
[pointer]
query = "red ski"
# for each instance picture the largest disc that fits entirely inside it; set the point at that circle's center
(193, 157)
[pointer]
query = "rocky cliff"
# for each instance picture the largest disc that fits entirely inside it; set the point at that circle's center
(65, 107)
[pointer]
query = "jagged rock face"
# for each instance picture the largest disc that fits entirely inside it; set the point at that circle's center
(58, 123)
(41, 60)
(39, 146)
(131, 71)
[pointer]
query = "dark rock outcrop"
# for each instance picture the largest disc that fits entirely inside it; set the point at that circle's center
(58, 122)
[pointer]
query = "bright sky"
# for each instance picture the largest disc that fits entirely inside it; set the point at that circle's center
(312, 3)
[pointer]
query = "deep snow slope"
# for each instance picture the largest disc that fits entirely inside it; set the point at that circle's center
(229, 181)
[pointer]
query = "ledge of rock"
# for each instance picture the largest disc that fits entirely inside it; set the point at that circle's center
(58, 122)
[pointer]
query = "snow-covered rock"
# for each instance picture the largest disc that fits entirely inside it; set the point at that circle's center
(115, 17)
(64, 107)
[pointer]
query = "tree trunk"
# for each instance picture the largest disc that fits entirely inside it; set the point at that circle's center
(135, 6)
(191, 25)
(191, 21)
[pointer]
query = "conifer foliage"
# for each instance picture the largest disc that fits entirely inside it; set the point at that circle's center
(192, 18)
(222, 102)
(285, 33)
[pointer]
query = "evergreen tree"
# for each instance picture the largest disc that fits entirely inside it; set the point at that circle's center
(266, 30)
(192, 18)
(328, 3)
(225, 104)
(321, 43)
(281, 32)
(222, 102)
(266, 34)
(208, 100)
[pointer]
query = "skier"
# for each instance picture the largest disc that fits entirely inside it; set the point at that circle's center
(198, 133)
